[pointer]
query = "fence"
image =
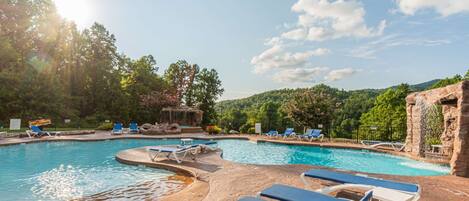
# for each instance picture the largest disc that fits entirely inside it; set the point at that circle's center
(395, 133)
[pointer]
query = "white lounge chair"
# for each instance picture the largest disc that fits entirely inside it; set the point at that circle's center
(155, 152)
(396, 146)
(173, 151)
(385, 190)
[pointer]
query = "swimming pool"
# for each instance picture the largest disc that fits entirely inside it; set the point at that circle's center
(67, 170)
(244, 151)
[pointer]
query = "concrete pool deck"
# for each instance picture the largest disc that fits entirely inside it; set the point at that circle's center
(218, 179)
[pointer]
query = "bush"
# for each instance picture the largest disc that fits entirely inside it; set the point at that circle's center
(244, 128)
(433, 141)
(213, 129)
(105, 126)
(252, 130)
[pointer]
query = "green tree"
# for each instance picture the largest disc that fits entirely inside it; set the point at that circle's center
(313, 107)
(207, 89)
(269, 116)
(447, 81)
(104, 96)
(388, 114)
(180, 76)
(233, 119)
(348, 116)
(141, 79)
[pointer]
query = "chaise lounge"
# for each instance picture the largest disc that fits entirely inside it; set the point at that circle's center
(118, 129)
(312, 134)
(288, 132)
(133, 128)
(382, 189)
(271, 133)
(289, 193)
(36, 132)
(396, 146)
(173, 151)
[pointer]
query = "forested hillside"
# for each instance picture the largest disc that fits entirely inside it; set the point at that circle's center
(341, 113)
(282, 95)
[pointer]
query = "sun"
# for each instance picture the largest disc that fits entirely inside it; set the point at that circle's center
(74, 10)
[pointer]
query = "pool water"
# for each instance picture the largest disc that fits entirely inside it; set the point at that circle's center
(68, 170)
(243, 151)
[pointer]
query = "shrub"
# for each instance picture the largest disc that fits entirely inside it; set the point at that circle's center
(252, 130)
(213, 129)
(105, 126)
(433, 141)
(244, 128)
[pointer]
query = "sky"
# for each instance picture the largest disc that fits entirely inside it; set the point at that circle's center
(264, 45)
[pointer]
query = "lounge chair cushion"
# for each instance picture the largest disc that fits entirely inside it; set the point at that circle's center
(288, 193)
(354, 179)
(168, 149)
(249, 199)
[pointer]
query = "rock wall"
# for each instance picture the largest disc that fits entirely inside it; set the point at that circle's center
(455, 105)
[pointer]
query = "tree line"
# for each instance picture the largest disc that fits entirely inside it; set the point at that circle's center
(51, 69)
(378, 114)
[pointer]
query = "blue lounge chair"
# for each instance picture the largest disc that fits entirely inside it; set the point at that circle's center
(133, 127)
(272, 133)
(313, 134)
(308, 131)
(36, 132)
(382, 189)
(117, 129)
(288, 132)
(288, 193)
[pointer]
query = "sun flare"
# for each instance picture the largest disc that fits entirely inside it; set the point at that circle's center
(74, 10)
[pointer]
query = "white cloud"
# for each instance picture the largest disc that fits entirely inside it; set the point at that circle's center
(299, 75)
(321, 51)
(369, 50)
(339, 74)
(276, 58)
(295, 34)
(321, 20)
(443, 7)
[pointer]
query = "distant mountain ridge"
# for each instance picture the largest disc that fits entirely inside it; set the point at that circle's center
(422, 86)
(282, 95)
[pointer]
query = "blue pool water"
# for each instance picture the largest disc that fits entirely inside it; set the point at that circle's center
(67, 170)
(348, 159)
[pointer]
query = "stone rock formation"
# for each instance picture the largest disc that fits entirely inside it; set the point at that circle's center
(454, 100)
(160, 129)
